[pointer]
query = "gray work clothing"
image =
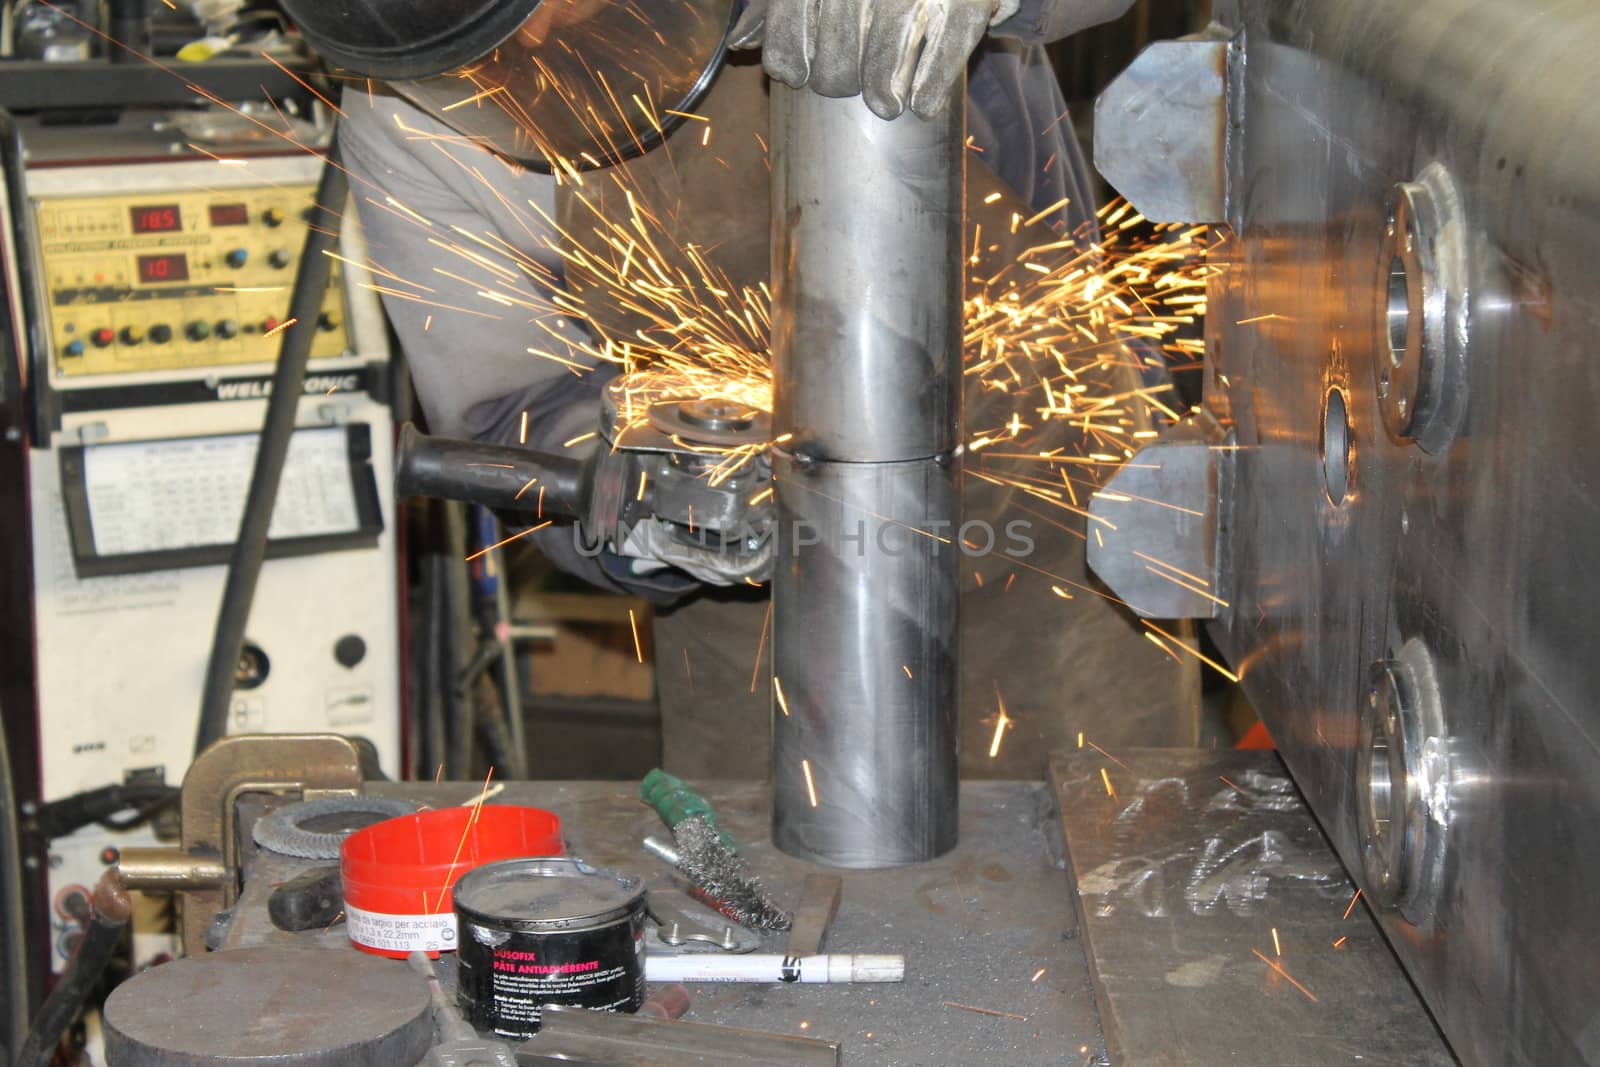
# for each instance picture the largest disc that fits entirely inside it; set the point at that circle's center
(1051, 20)
(1088, 670)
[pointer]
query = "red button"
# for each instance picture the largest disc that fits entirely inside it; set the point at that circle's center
(102, 337)
(271, 324)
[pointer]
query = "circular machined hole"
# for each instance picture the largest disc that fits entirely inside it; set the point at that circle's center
(1336, 446)
(1398, 312)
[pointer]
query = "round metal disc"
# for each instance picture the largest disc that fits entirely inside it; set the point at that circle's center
(302, 1006)
(314, 829)
(712, 422)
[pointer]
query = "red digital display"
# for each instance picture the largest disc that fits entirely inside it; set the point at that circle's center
(157, 218)
(229, 214)
(167, 268)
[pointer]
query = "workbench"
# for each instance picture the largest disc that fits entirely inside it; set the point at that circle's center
(1017, 947)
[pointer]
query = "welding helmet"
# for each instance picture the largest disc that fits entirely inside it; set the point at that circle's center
(548, 83)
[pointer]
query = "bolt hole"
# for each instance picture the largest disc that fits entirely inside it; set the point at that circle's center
(1336, 446)
(1399, 310)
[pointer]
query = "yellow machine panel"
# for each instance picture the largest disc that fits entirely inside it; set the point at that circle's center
(193, 278)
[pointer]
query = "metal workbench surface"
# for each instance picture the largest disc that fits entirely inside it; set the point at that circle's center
(1218, 923)
(976, 926)
(1185, 861)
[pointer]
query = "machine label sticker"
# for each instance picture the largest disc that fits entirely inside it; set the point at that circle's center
(402, 933)
(262, 388)
(155, 394)
(175, 493)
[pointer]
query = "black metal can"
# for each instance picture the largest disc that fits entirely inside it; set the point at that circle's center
(547, 930)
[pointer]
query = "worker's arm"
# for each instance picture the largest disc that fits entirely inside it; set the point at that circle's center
(434, 212)
(1043, 21)
(898, 53)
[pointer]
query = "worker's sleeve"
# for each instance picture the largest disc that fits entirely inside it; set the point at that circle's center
(1043, 21)
(442, 220)
(1017, 123)
(434, 212)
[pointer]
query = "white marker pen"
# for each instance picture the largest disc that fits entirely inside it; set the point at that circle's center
(717, 967)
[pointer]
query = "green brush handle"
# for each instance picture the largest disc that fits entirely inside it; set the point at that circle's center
(674, 801)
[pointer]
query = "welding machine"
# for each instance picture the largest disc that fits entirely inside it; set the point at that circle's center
(152, 281)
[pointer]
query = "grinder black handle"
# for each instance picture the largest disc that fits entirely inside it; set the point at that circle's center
(496, 476)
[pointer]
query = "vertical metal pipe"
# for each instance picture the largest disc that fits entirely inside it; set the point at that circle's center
(867, 257)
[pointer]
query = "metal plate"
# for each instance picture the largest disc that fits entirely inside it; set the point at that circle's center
(1355, 535)
(1217, 918)
(261, 1006)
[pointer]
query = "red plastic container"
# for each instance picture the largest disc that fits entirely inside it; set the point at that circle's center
(398, 873)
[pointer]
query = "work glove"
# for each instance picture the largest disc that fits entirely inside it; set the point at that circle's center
(654, 544)
(892, 52)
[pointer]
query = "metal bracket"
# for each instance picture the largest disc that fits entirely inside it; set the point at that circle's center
(1161, 131)
(1157, 529)
(676, 926)
(205, 866)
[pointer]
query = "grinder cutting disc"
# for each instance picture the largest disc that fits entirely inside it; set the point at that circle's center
(712, 422)
(258, 1006)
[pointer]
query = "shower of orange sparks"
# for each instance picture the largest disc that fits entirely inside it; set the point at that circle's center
(811, 786)
(633, 624)
(703, 338)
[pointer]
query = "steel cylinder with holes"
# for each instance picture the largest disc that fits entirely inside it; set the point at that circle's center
(867, 222)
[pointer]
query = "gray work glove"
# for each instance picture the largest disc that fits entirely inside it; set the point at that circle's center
(661, 532)
(893, 52)
(654, 544)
